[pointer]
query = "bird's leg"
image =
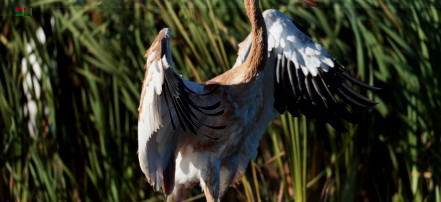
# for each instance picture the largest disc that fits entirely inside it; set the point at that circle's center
(210, 180)
(208, 195)
(180, 191)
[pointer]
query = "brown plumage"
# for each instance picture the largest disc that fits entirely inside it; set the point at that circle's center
(206, 133)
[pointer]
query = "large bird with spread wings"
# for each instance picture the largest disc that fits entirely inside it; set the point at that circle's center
(206, 133)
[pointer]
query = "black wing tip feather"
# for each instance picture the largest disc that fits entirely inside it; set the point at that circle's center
(179, 95)
(314, 95)
(343, 73)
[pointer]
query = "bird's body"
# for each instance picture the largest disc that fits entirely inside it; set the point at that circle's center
(207, 133)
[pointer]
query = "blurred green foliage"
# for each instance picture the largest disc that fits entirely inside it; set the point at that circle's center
(69, 124)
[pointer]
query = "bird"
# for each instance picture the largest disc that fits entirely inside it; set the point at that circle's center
(206, 133)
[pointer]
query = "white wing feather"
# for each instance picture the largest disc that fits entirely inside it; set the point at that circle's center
(150, 121)
(285, 39)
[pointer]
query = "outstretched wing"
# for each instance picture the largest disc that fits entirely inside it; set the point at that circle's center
(171, 108)
(307, 76)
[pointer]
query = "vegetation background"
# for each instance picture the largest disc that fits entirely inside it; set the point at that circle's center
(71, 77)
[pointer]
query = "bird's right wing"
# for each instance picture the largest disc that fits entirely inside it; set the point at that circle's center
(307, 77)
(171, 109)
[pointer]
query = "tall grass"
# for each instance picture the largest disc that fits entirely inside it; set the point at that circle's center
(83, 145)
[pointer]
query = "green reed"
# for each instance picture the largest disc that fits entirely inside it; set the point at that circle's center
(85, 145)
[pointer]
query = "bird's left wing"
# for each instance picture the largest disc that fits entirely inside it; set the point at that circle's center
(307, 76)
(171, 108)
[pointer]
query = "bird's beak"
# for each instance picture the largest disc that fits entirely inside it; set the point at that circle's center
(310, 2)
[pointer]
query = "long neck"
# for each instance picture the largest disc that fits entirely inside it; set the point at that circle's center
(259, 48)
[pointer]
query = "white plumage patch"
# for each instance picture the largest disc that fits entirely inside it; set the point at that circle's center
(285, 39)
(149, 117)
